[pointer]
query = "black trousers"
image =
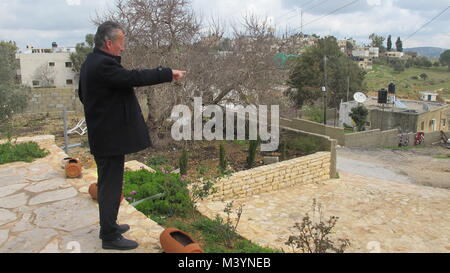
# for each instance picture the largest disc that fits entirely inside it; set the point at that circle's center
(110, 171)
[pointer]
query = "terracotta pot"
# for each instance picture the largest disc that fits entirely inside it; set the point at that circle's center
(93, 192)
(176, 241)
(73, 168)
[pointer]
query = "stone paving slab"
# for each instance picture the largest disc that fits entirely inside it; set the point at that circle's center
(375, 215)
(43, 212)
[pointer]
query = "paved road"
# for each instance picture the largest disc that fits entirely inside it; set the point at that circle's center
(371, 170)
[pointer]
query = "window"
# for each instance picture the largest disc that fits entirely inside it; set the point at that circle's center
(444, 122)
(51, 64)
(422, 126)
(35, 83)
(68, 64)
(69, 82)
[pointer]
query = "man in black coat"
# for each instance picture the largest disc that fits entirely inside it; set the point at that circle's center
(114, 121)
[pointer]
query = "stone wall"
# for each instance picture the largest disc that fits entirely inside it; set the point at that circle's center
(52, 100)
(304, 170)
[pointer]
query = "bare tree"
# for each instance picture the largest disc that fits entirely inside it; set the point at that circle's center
(167, 32)
(45, 75)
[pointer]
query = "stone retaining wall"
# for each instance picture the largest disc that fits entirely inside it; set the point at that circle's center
(303, 170)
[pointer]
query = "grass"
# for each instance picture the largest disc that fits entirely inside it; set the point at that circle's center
(175, 209)
(442, 157)
(438, 80)
(26, 152)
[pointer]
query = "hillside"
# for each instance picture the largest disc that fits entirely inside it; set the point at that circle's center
(431, 52)
(438, 80)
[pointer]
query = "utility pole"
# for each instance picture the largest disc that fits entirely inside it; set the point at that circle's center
(324, 89)
(301, 22)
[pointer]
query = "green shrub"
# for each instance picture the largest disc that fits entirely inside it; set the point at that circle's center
(156, 162)
(252, 153)
(183, 163)
(26, 152)
(306, 145)
(223, 161)
(142, 184)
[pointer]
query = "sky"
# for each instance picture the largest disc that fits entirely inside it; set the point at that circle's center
(41, 22)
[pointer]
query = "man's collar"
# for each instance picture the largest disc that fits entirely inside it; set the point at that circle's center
(99, 51)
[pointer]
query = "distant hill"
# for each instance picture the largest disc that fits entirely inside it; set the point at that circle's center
(431, 52)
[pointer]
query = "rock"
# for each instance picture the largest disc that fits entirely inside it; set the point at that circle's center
(177, 171)
(68, 215)
(42, 175)
(14, 201)
(12, 180)
(24, 224)
(271, 160)
(53, 196)
(29, 242)
(5, 191)
(6, 217)
(136, 166)
(82, 241)
(52, 247)
(51, 184)
(3, 236)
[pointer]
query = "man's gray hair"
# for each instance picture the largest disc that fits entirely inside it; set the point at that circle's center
(107, 31)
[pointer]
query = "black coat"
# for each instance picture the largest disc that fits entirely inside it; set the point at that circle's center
(113, 116)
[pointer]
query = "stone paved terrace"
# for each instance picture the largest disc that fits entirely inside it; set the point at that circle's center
(41, 211)
(394, 216)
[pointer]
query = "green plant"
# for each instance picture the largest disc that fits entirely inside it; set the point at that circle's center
(359, 115)
(183, 162)
(314, 234)
(202, 169)
(283, 150)
(142, 184)
(26, 152)
(223, 164)
(314, 113)
(200, 191)
(305, 145)
(156, 162)
(252, 153)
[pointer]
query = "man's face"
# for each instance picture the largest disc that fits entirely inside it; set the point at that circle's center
(117, 46)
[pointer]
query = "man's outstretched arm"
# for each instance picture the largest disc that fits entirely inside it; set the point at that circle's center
(117, 76)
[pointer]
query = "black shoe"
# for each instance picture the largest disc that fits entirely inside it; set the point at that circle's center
(123, 228)
(120, 244)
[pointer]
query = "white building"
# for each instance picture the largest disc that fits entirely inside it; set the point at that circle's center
(428, 96)
(366, 52)
(47, 67)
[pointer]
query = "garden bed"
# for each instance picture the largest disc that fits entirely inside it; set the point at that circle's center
(175, 208)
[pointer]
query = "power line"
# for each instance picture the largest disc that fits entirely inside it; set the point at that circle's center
(320, 4)
(291, 11)
(330, 13)
(429, 22)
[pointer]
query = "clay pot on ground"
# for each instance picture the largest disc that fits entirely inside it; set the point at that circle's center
(93, 192)
(176, 241)
(73, 168)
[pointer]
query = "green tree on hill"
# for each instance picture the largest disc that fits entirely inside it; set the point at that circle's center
(82, 50)
(378, 41)
(359, 115)
(307, 75)
(13, 96)
(445, 59)
(399, 45)
(389, 43)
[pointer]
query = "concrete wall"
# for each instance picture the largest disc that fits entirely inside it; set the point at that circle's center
(304, 170)
(30, 64)
(315, 128)
(372, 139)
(49, 100)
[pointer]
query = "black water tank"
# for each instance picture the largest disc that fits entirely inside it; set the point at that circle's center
(382, 96)
(391, 88)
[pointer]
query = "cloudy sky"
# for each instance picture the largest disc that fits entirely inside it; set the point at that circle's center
(40, 22)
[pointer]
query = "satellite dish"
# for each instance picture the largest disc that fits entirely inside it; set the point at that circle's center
(360, 97)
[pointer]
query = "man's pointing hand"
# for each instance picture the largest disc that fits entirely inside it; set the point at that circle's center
(178, 75)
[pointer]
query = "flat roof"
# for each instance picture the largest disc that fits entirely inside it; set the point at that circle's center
(412, 106)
